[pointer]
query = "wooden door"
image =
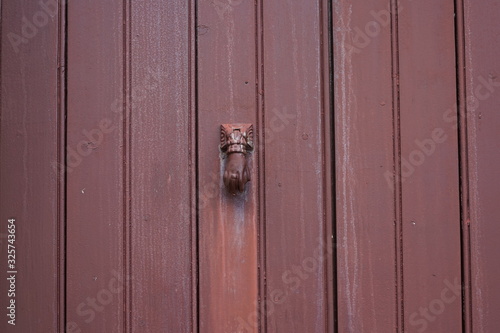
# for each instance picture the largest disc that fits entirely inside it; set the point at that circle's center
(369, 137)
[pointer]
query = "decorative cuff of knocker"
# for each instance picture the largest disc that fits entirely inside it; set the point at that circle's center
(236, 138)
(235, 148)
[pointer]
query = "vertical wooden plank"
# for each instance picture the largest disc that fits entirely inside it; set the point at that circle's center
(365, 173)
(95, 209)
(461, 123)
(298, 246)
(261, 161)
(162, 167)
(482, 77)
(29, 155)
(227, 224)
(429, 168)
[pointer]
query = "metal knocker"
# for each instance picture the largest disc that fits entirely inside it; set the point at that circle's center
(236, 142)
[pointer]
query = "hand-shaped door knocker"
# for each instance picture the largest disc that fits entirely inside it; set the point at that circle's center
(236, 141)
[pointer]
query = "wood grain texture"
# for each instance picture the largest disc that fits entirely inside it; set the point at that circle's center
(372, 202)
(95, 189)
(482, 73)
(365, 167)
(161, 166)
(429, 168)
(29, 159)
(227, 224)
(298, 240)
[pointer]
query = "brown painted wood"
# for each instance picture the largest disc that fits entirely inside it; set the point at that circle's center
(227, 225)
(482, 72)
(162, 174)
(29, 156)
(367, 198)
(460, 122)
(297, 210)
(135, 231)
(429, 168)
(95, 188)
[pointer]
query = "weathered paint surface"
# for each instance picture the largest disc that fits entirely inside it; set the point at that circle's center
(365, 211)
(482, 85)
(372, 205)
(94, 192)
(161, 170)
(30, 152)
(228, 245)
(297, 210)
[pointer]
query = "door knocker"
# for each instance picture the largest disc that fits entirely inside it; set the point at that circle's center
(236, 142)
